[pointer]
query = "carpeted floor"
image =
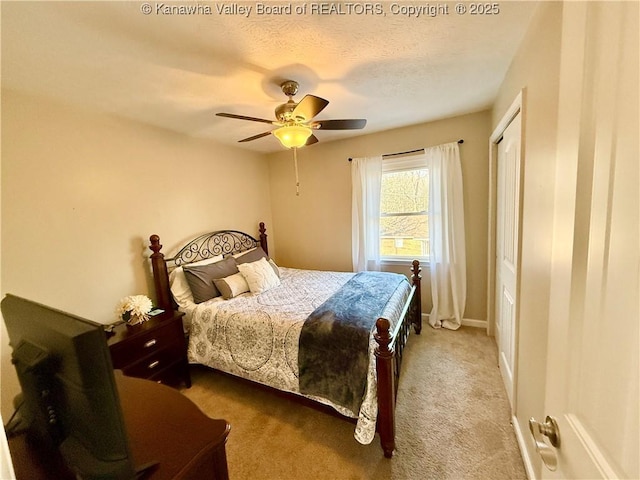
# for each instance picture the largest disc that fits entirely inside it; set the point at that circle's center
(452, 417)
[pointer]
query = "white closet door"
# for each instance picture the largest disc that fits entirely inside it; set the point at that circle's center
(507, 219)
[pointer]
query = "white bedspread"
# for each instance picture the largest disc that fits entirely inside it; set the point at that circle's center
(256, 336)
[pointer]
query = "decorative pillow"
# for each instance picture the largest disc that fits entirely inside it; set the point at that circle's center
(251, 255)
(275, 267)
(254, 255)
(178, 282)
(200, 278)
(231, 286)
(259, 275)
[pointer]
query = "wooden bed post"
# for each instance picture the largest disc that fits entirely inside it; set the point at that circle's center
(415, 279)
(263, 238)
(160, 274)
(386, 387)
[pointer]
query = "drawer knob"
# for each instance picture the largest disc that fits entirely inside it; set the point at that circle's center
(154, 364)
(150, 343)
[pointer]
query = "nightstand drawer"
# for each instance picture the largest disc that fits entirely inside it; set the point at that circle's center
(172, 376)
(147, 343)
(149, 366)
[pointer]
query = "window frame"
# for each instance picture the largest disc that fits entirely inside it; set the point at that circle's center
(416, 161)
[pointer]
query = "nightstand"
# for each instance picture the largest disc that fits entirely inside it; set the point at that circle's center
(155, 350)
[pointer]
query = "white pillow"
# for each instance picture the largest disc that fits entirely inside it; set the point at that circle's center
(231, 286)
(178, 282)
(259, 275)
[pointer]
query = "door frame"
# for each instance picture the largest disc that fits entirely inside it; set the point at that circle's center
(516, 107)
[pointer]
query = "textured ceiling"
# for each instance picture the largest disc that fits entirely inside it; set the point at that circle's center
(175, 71)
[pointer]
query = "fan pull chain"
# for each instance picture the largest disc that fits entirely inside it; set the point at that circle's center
(295, 165)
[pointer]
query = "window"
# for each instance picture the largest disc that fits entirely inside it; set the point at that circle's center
(404, 209)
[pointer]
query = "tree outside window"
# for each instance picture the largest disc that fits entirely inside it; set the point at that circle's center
(404, 210)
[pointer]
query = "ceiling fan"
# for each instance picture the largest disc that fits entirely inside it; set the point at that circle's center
(295, 120)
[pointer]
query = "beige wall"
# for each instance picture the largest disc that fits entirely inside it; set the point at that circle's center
(82, 192)
(314, 229)
(536, 68)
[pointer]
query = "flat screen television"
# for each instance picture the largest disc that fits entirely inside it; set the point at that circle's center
(69, 396)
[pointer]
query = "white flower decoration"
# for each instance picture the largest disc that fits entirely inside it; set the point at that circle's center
(134, 309)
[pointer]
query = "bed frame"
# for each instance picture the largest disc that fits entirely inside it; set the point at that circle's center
(391, 343)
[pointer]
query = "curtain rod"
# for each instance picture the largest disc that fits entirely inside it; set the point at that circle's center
(407, 152)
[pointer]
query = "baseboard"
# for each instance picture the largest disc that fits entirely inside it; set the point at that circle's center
(467, 322)
(470, 322)
(526, 459)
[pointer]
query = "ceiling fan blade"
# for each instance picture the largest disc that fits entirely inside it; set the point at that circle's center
(311, 140)
(255, 137)
(351, 124)
(309, 107)
(243, 117)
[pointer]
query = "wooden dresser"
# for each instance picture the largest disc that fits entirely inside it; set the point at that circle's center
(154, 350)
(163, 427)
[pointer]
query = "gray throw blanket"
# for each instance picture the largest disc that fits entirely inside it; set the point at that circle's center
(334, 342)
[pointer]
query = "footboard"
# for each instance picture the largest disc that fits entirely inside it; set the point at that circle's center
(389, 359)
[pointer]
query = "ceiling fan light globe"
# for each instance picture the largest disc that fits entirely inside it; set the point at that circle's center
(293, 136)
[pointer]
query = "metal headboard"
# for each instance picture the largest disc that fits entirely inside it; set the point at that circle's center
(222, 242)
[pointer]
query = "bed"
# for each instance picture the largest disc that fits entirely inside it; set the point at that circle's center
(336, 338)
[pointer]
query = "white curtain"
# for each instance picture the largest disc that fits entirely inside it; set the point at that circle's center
(366, 179)
(446, 236)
